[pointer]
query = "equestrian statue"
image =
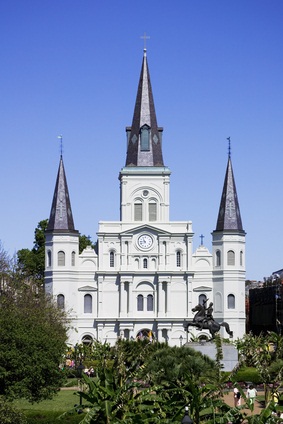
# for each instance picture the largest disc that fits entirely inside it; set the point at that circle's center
(203, 320)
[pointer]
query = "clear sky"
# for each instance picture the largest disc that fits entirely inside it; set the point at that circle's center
(71, 67)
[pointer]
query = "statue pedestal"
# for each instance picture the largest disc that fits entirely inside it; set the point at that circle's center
(230, 353)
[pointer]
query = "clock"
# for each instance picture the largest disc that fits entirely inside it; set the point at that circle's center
(145, 241)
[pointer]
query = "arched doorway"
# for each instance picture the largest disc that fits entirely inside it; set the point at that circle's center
(145, 334)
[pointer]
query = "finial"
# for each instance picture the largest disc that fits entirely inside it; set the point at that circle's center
(145, 37)
(229, 147)
(201, 239)
(61, 144)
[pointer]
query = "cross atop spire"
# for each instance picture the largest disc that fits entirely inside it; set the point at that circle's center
(61, 144)
(229, 147)
(145, 37)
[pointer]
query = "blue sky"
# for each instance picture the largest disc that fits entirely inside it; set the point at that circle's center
(71, 67)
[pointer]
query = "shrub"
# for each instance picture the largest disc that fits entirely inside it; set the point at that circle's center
(248, 374)
(9, 414)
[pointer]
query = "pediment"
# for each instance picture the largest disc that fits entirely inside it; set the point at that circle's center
(202, 289)
(87, 288)
(147, 228)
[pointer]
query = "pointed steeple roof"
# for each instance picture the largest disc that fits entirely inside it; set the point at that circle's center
(144, 136)
(229, 217)
(61, 217)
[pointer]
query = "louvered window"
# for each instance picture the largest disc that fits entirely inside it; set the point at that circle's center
(145, 138)
(218, 258)
(178, 258)
(231, 257)
(112, 259)
(152, 212)
(145, 263)
(73, 258)
(138, 211)
(61, 258)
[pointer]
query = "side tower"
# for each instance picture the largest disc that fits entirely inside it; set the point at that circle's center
(144, 187)
(228, 241)
(62, 244)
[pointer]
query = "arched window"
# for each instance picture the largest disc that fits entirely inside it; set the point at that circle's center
(140, 302)
(178, 258)
(87, 304)
(49, 258)
(145, 138)
(218, 258)
(87, 340)
(152, 211)
(230, 257)
(138, 211)
(145, 263)
(61, 258)
(202, 299)
(73, 258)
(241, 258)
(61, 301)
(150, 302)
(231, 301)
(111, 259)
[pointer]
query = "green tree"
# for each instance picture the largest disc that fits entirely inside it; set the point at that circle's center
(33, 334)
(85, 241)
(32, 262)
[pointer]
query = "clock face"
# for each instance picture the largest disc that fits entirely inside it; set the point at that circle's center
(145, 241)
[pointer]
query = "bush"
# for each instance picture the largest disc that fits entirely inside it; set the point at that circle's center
(9, 414)
(247, 374)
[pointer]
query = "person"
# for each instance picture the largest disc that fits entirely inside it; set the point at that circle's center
(237, 397)
(251, 393)
(275, 398)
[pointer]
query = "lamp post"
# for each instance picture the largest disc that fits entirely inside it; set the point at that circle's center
(181, 340)
(80, 373)
(187, 419)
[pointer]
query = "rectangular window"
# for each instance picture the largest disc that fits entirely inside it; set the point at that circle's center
(138, 212)
(152, 212)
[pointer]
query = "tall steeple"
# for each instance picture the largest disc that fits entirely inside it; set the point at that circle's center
(229, 217)
(61, 217)
(144, 136)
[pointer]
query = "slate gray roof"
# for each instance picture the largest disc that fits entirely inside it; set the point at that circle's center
(229, 216)
(61, 217)
(144, 114)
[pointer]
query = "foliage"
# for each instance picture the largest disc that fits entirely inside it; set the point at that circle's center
(245, 374)
(9, 414)
(85, 241)
(33, 333)
(31, 262)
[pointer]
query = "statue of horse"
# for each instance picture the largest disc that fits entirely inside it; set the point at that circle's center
(204, 321)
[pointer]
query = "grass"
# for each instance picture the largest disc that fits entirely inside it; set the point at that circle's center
(47, 411)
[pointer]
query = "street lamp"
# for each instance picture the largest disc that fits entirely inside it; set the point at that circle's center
(187, 419)
(80, 373)
(181, 340)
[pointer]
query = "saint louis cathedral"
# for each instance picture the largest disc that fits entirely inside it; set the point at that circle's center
(144, 278)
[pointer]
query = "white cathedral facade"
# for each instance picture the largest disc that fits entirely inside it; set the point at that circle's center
(145, 277)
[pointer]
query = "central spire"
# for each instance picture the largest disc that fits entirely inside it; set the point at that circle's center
(144, 136)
